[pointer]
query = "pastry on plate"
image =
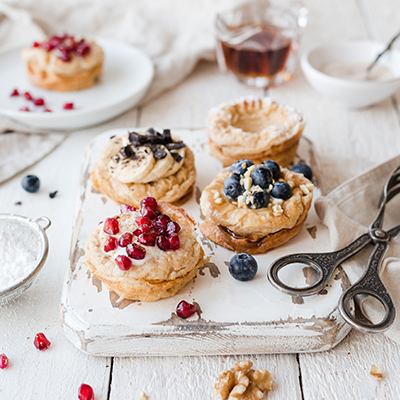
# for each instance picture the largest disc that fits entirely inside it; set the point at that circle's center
(64, 62)
(142, 164)
(253, 208)
(254, 129)
(145, 254)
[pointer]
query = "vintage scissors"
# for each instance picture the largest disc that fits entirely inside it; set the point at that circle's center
(369, 284)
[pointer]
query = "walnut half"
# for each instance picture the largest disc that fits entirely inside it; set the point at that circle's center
(243, 383)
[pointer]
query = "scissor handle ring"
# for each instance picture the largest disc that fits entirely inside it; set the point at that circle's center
(344, 309)
(306, 259)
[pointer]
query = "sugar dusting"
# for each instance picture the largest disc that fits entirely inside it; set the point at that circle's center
(19, 252)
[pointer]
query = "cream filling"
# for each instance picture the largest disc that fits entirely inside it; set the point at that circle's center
(49, 62)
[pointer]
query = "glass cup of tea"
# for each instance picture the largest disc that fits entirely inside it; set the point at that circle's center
(258, 42)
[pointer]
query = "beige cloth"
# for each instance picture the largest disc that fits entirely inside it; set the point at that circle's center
(347, 212)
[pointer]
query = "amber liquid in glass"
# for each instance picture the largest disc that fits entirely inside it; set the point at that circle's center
(262, 55)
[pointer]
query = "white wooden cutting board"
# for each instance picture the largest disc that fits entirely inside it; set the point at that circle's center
(233, 318)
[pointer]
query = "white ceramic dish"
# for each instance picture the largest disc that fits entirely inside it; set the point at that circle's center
(127, 75)
(354, 94)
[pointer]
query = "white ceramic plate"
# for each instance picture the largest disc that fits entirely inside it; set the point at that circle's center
(127, 74)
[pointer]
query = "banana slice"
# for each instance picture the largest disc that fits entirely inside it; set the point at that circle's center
(176, 165)
(159, 168)
(132, 170)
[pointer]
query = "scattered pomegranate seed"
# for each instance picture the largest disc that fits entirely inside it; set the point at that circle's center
(111, 226)
(111, 244)
(85, 392)
(125, 208)
(28, 96)
(125, 239)
(185, 310)
(174, 242)
(150, 202)
(41, 342)
(24, 109)
(135, 251)
(14, 93)
(148, 212)
(68, 106)
(143, 221)
(3, 361)
(148, 239)
(47, 110)
(173, 227)
(137, 232)
(36, 44)
(162, 221)
(123, 262)
(38, 102)
(163, 243)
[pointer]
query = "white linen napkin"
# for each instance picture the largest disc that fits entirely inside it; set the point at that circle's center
(347, 211)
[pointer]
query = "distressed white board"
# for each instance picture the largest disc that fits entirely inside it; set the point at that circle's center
(235, 317)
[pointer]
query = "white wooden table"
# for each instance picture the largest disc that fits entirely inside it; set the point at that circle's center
(347, 143)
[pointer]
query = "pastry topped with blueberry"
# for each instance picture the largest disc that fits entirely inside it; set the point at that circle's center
(254, 208)
(257, 129)
(146, 254)
(63, 62)
(142, 164)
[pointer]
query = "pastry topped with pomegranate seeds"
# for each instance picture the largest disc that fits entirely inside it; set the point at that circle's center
(142, 164)
(64, 62)
(146, 254)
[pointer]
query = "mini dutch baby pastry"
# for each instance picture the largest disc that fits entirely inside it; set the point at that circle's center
(254, 129)
(252, 209)
(64, 62)
(143, 164)
(145, 255)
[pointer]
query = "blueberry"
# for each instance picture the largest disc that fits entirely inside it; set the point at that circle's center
(239, 167)
(274, 167)
(243, 267)
(281, 190)
(261, 176)
(303, 169)
(31, 183)
(260, 200)
(232, 187)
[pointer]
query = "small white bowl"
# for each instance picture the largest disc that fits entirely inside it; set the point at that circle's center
(351, 93)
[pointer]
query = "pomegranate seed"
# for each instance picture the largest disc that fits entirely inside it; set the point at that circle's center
(36, 44)
(185, 310)
(123, 262)
(111, 244)
(173, 227)
(174, 242)
(66, 58)
(125, 208)
(135, 251)
(125, 239)
(14, 93)
(47, 46)
(162, 221)
(68, 106)
(82, 50)
(150, 202)
(47, 110)
(24, 109)
(3, 361)
(163, 243)
(41, 342)
(38, 102)
(148, 212)
(137, 232)
(157, 231)
(85, 392)
(148, 239)
(28, 96)
(143, 221)
(111, 226)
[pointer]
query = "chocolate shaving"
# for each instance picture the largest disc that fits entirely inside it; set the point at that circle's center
(126, 152)
(176, 145)
(112, 137)
(177, 157)
(159, 154)
(53, 194)
(18, 203)
(166, 135)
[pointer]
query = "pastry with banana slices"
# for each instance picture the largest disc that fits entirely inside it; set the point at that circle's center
(142, 164)
(252, 208)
